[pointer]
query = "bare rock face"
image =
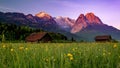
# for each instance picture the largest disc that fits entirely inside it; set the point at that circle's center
(64, 22)
(79, 24)
(43, 15)
(84, 21)
(31, 18)
(92, 19)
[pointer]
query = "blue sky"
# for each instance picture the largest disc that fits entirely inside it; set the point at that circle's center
(107, 10)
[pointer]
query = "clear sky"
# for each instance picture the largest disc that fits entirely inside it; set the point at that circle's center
(107, 10)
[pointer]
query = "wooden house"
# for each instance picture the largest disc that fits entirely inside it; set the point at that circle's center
(39, 37)
(103, 38)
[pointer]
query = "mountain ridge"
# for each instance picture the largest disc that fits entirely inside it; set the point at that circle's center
(86, 27)
(84, 20)
(43, 15)
(65, 22)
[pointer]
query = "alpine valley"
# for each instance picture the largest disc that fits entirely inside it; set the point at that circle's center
(86, 27)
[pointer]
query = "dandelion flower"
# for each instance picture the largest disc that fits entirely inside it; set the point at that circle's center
(71, 58)
(3, 46)
(114, 46)
(26, 48)
(11, 49)
(69, 55)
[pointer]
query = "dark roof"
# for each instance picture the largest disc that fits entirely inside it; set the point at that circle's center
(103, 37)
(35, 36)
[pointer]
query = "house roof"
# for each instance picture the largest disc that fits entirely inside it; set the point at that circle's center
(35, 36)
(103, 37)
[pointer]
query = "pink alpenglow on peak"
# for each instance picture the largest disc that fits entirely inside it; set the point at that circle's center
(79, 24)
(84, 21)
(43, 15)
(92, 19)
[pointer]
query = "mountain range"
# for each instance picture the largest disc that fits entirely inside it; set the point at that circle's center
(86, 27)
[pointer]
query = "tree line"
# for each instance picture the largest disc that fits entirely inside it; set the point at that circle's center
(12, 32)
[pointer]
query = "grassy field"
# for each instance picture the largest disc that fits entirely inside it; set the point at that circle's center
(60, 55)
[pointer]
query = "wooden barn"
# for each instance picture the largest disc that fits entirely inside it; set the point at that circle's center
(39, 37)
(103, 38)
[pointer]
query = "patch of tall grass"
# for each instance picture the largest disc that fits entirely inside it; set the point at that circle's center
(60, 55)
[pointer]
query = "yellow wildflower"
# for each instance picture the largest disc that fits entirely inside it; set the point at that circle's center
(26, 48)
(11, 49)
(69, 55)
(71, 58)
(114, 46)
(21, 48)
(3, 46)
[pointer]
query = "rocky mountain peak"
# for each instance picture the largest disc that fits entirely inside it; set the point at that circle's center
(79, 24)
(81, 16)
(81, 20)
(43, 15)
(90, 14)
(29, 16)
(85, 20)
(64, 22)
(92, 19)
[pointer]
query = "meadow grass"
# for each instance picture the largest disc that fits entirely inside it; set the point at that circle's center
(60, 55)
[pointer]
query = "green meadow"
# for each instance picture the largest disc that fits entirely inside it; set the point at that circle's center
(59, 55)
